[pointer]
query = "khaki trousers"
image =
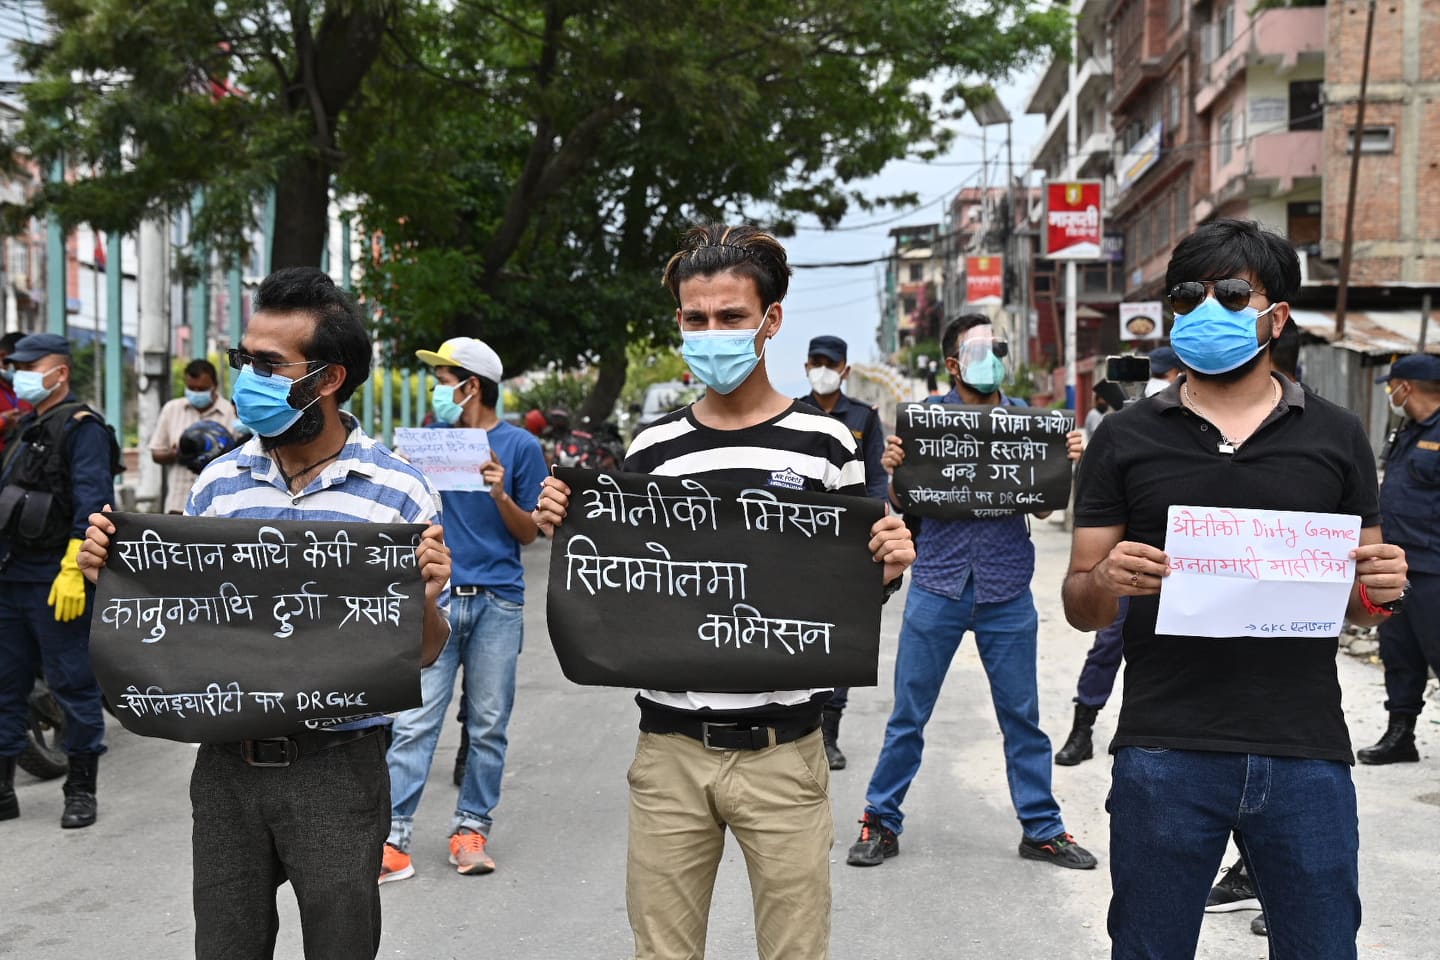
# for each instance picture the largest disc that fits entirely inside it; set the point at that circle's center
(776, 801)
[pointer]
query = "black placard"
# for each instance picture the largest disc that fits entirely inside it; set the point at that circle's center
(209, 630)
(964, 461)
(672, 584)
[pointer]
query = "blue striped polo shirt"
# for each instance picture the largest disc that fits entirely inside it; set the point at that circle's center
(366, 483)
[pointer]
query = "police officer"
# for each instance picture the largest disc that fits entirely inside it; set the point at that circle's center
(826, 369)
(57, 470)
(1410, 518)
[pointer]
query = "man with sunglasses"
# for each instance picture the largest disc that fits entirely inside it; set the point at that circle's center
(314, 809)
(970, 575)
(1242, 734)
(1409, 505)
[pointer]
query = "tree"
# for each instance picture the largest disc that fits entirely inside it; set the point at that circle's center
(611, 125)
(154, 101)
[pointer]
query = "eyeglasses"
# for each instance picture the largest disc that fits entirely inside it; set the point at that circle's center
(239, 359)
(1232, 294)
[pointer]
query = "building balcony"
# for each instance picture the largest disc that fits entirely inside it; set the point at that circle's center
(1268, 165)
(1280, 38)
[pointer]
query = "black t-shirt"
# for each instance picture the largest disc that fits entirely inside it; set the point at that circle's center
(1275, 695)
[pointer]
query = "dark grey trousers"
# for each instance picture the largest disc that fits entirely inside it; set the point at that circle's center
(319, 823)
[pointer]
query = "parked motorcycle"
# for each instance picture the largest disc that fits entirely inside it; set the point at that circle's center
(44, 755)
(591, 447)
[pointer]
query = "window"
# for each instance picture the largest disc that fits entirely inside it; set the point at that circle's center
(1162, 224)
(1222, 137)
(1377, 139)
(1172, 122)
(1177, 7)
(917, 272)
(1182, 208)
(1307, 109)
(1302, 224)
(1224, 28)
(19, 262)
(907, 304)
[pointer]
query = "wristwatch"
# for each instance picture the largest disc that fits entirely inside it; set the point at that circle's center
(1393, 606)
(1390, 607)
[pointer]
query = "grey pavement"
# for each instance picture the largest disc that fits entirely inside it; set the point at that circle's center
(121, 889)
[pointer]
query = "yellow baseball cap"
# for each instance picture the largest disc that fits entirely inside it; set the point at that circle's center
(474, 355)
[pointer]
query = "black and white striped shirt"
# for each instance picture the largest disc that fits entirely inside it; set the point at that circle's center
(800, 449)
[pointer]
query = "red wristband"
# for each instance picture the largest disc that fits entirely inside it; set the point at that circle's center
(1370, 607)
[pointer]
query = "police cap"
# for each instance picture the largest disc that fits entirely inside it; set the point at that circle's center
(1416, 366)
(39, 345)
(832, 348)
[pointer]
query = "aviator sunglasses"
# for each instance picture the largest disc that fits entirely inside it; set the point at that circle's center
(1232, 293)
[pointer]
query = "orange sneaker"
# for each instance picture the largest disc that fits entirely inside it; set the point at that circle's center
(467, 852)
(395, 864)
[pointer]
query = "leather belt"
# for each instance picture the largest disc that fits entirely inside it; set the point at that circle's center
(283, 751)
(734, 735)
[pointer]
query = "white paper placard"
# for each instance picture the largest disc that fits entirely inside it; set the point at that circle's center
(1256, 573)
(452, 459)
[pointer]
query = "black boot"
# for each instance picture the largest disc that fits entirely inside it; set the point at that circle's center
(1398, 744)
(462, 753)
(80, 805)
(830, 732)
(9, 803)
(1078, 747)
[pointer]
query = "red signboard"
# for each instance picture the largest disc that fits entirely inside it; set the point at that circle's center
(984, 280)
(1074, 227)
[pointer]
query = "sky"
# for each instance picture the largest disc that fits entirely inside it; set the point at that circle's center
(845, 301)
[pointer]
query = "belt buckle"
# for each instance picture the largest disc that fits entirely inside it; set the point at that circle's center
(465, 591)
(270, 752)
(706, 727)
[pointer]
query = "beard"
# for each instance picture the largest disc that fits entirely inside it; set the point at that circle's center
(310, 425)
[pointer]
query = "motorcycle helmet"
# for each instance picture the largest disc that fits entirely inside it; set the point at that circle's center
(203, 442)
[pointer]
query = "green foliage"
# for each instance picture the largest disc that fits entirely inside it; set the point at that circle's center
(557, 389)
(524, 169)
(646, 368)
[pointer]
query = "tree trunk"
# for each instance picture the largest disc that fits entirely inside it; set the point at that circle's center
(600, 404)
(302, 214)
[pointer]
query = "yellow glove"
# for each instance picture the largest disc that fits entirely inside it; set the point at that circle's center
(67, 593)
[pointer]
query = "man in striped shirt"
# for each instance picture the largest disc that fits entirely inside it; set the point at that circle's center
(750, 762)
(318, 816)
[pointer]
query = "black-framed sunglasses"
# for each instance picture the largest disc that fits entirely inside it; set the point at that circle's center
(263, 368)
(1232, 293)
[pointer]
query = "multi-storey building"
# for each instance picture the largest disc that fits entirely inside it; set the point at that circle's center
(1259, 103)
(914, 281)
(1397, 211)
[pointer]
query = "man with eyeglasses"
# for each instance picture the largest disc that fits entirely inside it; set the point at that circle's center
(970, 575)
(57, 470)
(317, 817)
(1241, 735)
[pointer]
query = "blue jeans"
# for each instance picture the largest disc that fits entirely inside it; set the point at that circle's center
(1102, 663)
(486, 634)
(32, 641)
(1171, 813)
(1005, 634)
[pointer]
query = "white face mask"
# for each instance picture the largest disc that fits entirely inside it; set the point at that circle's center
(824, 380)
(1399, 408)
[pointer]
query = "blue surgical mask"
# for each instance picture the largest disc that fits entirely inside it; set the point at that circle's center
(442, 400)
(263, 403)
(200, 399)
(1211, 339)
(984, 375)
(722, 359)
(30, 386)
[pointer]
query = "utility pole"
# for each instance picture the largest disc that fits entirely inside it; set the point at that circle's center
(55, 308)
(154, 342)
(114, 330)
(1342, 294)
(1072, 306)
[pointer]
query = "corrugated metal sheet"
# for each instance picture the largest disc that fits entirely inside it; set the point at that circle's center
(1343, 370)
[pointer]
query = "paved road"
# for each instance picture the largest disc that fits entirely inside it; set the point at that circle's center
(121, 888)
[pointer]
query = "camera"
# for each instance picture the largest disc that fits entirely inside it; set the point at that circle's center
(1125, 379)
